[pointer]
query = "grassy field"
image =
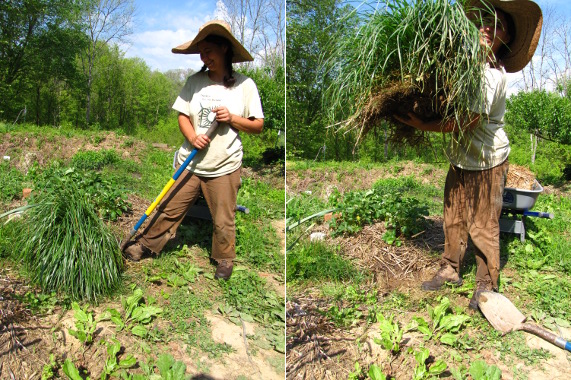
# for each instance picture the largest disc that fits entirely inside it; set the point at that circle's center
(355, 309)
(167, 318)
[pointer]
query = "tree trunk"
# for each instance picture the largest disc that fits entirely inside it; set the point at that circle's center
(534, 141)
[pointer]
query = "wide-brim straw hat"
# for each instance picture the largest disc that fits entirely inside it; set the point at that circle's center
(528, 21)
(219, 28)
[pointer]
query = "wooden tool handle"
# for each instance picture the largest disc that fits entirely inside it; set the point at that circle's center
(546, 335)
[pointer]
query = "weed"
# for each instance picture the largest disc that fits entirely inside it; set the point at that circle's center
(138, 314)
(357, 373)
(11, 182)
(402, 215)
(84, 323)
(375, 373)
(39, 303)
(94, 160)
(49, 370)
(170, 368)
(113, 366)
(445, 324)
(319, 261)
(258, 245)
(480, 370)
(72, 371)
(391, 334)
(421, 370)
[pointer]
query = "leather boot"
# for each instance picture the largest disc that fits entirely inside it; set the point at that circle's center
(480, 287)
(446, 274)
(135, 252)
(224, 269)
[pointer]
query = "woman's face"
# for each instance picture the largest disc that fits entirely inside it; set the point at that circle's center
(212, 55)
(494, 31)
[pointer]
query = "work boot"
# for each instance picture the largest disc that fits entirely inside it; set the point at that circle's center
(481, 286)
(446, 274)
(224, 269)
(135, 252)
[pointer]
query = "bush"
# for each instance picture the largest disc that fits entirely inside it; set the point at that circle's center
(94, 160)
(11, 182)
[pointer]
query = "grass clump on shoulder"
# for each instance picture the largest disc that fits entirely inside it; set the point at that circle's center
(422, 57)
(63, 241)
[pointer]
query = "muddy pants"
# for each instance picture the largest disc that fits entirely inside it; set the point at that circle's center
(220, 194)
(472, 207)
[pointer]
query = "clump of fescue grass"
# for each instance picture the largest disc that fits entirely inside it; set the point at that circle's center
(421, 56)
(65, 246)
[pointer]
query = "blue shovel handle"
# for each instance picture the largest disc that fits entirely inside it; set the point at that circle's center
(167, 187)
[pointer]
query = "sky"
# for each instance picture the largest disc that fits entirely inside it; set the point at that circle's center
(161, 25)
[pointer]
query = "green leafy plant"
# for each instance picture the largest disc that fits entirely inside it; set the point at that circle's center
(94, 160)
(108, 197)
(49, 370)
(391, 334)
(402, 215)
(170, 368)
(445, 324)
(375, 373)
(318, 261)
(480, 370)
(11, 182)
(85, 324)
(138, 314)
(113, 366)
(421, 370)
(72, 372)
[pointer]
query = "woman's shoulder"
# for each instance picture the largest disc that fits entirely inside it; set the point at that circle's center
(495, 74)
(243, 79)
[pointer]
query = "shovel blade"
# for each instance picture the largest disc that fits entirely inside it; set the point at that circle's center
(500, 312)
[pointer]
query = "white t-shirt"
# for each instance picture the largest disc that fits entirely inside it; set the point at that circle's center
(487, 145)
(197, 98)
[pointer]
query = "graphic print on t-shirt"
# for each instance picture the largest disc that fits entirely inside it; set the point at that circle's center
(204, 116)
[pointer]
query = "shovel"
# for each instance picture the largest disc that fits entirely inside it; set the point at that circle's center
(505, 317)
(167, 187)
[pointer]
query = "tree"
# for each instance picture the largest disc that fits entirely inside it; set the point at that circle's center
(38, 41)
(311, 27)
(106, 21)
(259, 25)
(543, 114)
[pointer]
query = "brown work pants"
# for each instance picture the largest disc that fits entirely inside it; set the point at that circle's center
(472, 207)
(220, 194)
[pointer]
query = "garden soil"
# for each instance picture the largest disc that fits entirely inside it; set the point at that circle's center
(319, 349)
(27, 339)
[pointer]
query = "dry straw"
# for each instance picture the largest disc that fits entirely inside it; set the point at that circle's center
(421, 57)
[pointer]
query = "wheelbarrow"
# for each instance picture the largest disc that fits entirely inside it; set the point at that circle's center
(516, 206)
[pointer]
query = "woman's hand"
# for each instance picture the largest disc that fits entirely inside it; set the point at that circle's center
(223, 115)
(411, 120)
(200, 141)
(248, 125)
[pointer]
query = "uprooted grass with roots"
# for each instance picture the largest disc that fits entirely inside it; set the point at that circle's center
(423, 57)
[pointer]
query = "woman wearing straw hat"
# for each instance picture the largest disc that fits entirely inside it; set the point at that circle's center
(216, 92)
(479, 149)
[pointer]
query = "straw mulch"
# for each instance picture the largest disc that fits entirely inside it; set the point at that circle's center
(520, 177)
(316, 347)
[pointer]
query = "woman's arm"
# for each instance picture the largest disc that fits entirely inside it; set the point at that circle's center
(187, 129)
(438, 125)
(248, 125)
